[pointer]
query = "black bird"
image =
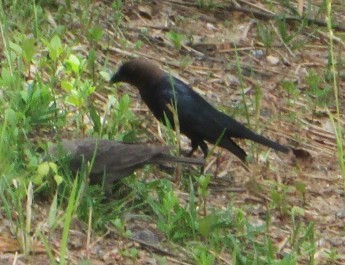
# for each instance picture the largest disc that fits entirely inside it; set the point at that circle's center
(198, 120)
(116, 160)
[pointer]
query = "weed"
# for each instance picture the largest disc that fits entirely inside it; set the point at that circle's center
(206, 4)
(119, 120)
(203, 192)
(291, 89)
(118, 15)
(265, 34)
(279, 193)
(319, 93)
(336, 124)
(176, 39)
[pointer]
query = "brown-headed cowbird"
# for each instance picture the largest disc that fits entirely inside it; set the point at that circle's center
(114, 159)
(198, 120)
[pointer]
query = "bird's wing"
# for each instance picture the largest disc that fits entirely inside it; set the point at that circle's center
(200, 113)
(115, 156)
(196, 116)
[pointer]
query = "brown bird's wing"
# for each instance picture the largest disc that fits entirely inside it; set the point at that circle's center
(116, 159)
(117, 156)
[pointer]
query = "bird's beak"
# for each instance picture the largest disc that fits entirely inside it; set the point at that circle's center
(115, 78)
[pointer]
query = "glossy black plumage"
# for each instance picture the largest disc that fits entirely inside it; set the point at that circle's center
(117, 160)
(198, 120)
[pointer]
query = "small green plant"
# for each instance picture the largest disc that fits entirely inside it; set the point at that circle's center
(120, 226)
(34, 103)
(203, 256)
(131, 253)
(45, 174)
(185, 62)
(317, 91)
(305, 244)
(284, 32)
(301, 188)
(296, 213)
(206, 4)
(138, 44)
(176, 39)
(278, 194)
(208, 225)
(292, 92)
(240, 75)
(95, 34)
(117, 6)
(78, 92)
(178, 223)
(265, 34)
(119, 120)
(10, 135)
(290, 38)
(16, 204)
(257, 105)
(333, 256)
(55, 49)
(204, 181)
(338, 126)
(73, 201)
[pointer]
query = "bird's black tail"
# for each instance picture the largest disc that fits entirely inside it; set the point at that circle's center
(265, 141)
(238, 130)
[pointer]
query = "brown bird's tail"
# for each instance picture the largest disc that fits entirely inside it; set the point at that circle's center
(164, 158)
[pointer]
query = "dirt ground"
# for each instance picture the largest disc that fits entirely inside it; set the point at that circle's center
(219, 43)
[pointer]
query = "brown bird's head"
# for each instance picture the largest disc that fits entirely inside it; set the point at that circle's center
(139, 72)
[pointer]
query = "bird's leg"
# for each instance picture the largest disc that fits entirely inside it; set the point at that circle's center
(195, 145)
(204, 149)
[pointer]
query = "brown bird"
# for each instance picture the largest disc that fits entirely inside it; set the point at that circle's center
(114, 159)
(198, 119)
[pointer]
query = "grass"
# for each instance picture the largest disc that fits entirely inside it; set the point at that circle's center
(334, 76)
(176, 39)
(52, 76)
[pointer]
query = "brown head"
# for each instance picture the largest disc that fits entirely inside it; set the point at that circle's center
(139, 72)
